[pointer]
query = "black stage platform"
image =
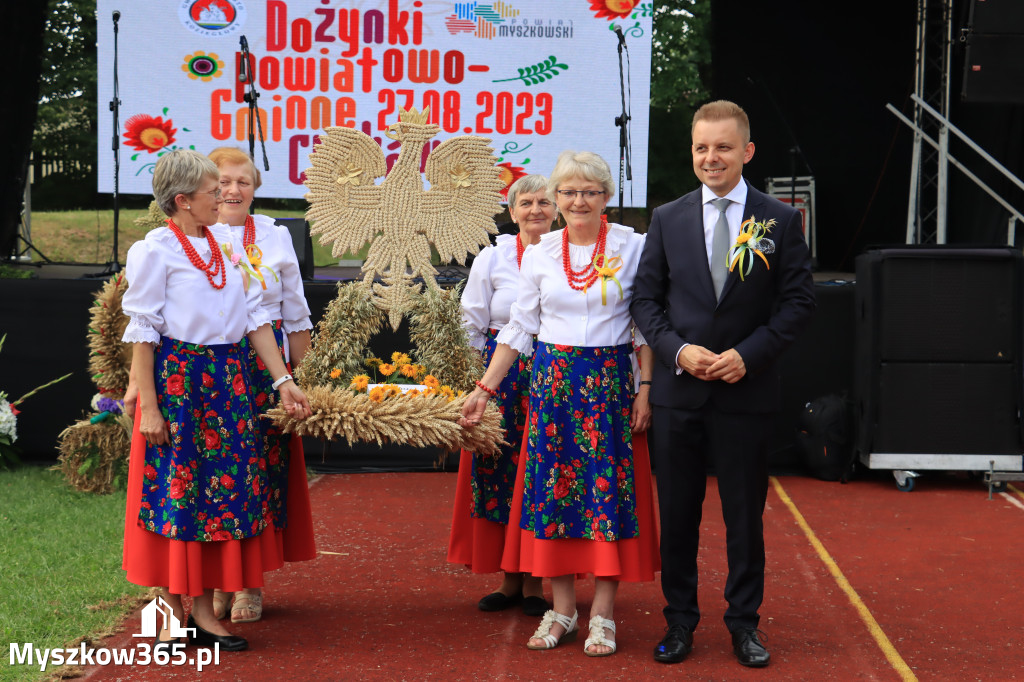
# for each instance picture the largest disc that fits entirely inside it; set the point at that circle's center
(46, 320)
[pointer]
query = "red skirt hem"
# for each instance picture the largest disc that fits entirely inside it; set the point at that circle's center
(476, 543)
(628, 560)
(190, 567)
(298, 536)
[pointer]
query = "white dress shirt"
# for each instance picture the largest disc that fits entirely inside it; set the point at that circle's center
(733, 213)
(168, 296)
(490, 290)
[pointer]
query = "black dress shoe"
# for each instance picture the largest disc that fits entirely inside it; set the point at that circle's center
(748, 648)
(496, 601)
(163, 644)
(675, 646)
(535, 606)
(205, 638)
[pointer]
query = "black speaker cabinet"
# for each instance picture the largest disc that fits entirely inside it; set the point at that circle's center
(938, 360)
(303, 243)
(997, 16)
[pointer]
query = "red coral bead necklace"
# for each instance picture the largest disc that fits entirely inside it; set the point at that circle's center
(249, 233)
(520, 249)
(216, 263)
(583, 279)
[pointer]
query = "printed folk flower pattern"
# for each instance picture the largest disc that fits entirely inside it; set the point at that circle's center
(613, 9)
(579, 471)
(493, 478)
(149, 134)
(210, 483)
(202, 66)
(509, 174)
(274, 443)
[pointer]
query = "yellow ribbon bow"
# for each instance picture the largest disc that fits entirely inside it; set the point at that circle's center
(236, 260)
(256, 258)
(606, 269)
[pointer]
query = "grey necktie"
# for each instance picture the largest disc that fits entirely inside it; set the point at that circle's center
(720, 247)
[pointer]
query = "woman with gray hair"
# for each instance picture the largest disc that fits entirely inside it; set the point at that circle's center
(197, 490)
(483, 493)
(583, 501)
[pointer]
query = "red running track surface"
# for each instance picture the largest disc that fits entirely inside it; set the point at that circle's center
(932, 586)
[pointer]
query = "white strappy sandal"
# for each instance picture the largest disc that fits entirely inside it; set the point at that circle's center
(598, 625)
(544, 630)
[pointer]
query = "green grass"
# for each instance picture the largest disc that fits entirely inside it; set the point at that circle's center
(60, 563)
(88, 236)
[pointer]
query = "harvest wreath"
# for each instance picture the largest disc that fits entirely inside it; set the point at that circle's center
(94, 450)
(400, 221)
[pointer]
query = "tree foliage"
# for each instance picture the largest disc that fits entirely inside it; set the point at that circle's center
(66, 120)
(680, 65)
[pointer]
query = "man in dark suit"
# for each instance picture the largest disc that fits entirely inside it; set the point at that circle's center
(717, 340)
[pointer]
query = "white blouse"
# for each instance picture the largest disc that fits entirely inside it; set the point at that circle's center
(283, 299)
(490, 290)
(168, 296)
(548, 307)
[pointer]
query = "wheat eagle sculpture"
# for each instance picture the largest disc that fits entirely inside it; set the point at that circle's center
(399, 217)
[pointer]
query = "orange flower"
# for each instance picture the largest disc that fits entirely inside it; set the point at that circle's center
(508, 175)
(386, 369)
(148, 134)
(613, 9)
(431, 382)
(360, 382)
(400, 358)
(335, 373)
(408, 371)
(377, 394)
(413, 392)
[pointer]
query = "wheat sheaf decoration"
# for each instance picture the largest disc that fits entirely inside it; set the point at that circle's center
(400, 220)
(342, 408)
(94, 450)
(398, 217)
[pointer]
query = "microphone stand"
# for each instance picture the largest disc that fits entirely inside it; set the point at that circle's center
(251, 97)
(622, 122)
(115, 108)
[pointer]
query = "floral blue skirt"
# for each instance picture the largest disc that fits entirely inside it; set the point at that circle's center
(494, 477)
(275, 442)
(210, 483)
(579, 479)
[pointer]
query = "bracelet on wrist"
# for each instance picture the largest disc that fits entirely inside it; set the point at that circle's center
(646, 382)
(277, 384)
(489, 391)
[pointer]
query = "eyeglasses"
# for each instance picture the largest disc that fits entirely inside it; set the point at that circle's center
(585, 193)
(215, 193)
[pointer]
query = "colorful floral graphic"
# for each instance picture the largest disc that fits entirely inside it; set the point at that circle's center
(613, 9)
(202, 66)
(509, 174)
(147, 133)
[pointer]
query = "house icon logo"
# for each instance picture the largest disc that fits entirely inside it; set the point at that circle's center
(157, 615)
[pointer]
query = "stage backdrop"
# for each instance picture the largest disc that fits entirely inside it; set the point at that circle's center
(536, 77)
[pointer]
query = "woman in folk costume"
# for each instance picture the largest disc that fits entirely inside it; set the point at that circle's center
(198, 512)
(483, 494)
(583, 501)
(270, 251)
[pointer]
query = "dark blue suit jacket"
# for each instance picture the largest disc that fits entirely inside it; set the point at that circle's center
(674, 303)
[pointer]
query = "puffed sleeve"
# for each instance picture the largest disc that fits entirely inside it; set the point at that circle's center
(524, 318)
(294, 309)
(476, 299)
(143, 301)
